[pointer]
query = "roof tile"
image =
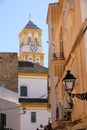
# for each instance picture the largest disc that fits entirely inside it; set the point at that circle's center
(26, 66)
(31, 25)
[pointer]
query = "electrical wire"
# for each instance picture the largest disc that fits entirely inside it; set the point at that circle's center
(43, 95)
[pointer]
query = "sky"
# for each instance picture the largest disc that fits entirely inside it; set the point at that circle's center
(14, 15)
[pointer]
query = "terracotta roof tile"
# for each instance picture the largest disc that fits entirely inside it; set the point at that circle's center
(25, 66)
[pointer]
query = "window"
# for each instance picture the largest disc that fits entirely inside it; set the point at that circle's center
(61, 44)
(36, 40)
(29, 40)
(37, 60)
(33, 117)
(36, 35)
(30, 58)
(23, 91)
(29, 37)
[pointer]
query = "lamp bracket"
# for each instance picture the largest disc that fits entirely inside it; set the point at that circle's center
(81, 96)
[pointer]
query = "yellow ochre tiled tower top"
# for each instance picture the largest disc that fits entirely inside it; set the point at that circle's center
(30, 44)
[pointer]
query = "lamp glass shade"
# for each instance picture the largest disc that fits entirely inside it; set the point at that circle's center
(69, 82)
(24, 110)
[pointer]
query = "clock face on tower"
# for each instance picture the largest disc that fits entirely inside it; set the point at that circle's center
(33, 47)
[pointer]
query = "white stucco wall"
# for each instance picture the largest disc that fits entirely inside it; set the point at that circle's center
(9, 105)
(42, 117)
(36, 86)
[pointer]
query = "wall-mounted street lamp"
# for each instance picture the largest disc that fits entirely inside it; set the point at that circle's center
(23, 110)
(69, 83)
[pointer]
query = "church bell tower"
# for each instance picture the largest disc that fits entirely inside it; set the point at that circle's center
(30, 44)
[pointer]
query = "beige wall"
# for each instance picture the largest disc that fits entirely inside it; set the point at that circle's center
(70, 28)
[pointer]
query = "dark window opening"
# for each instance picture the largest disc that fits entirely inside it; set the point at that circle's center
(23, 91)
(33, 117)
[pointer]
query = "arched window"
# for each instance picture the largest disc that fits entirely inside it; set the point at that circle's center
(29, 38)
(37, 60)
(30, 58)
(23, 91)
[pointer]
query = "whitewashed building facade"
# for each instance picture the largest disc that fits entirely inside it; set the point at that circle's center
(32, 79)
(9, 109)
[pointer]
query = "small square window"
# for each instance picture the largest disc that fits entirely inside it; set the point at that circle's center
(33, 117)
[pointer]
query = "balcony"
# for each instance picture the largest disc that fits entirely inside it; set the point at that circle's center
(58, 55)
